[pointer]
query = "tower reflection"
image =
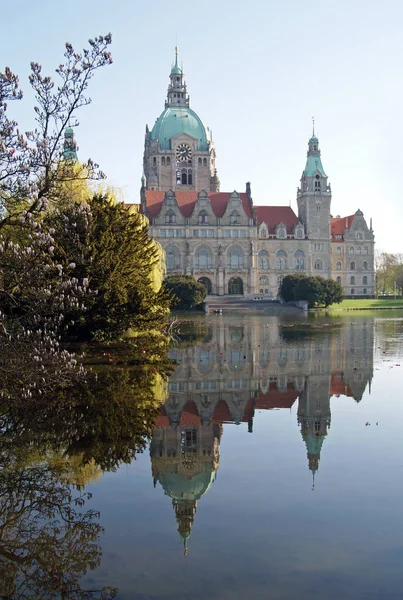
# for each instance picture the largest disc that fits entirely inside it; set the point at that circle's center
(241, 366)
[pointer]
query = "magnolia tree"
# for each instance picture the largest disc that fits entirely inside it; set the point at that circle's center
(36, 289)
(30, 164)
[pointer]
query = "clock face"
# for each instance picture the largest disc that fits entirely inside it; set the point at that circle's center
(183, 152)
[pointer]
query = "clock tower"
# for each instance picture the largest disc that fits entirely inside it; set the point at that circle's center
(179, 152)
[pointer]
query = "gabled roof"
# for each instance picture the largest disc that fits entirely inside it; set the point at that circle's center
(187, 200)
(338, 225)
(273, 215)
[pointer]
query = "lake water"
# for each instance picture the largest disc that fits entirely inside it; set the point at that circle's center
(275, 468)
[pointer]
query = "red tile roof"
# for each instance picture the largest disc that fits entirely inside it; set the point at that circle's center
(186, 202)
(273, 215)
(338, 387)
(338, 225)
(276, 399)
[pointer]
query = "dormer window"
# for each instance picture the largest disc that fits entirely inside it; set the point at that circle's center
(263, 232)
(170, 217)
(281, 233)
(299, 233)
(203, 218)
(235, 218)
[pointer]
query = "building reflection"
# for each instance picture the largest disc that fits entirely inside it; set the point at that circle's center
(241, 366)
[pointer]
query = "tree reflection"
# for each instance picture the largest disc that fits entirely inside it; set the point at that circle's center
(47, 539)
(51, 446)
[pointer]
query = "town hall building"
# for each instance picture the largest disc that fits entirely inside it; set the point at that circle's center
(225, 240)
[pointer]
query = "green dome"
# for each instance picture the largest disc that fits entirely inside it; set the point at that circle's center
(179, 488)
(68, 130)
(176, 70)
(175, 120)
(314, 140)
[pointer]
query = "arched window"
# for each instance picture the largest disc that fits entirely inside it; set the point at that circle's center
(281, 233)
(163, 161)
(263, 280)
(338, 266)
(280, 279)
(263, 260)
(168, 161)
(263, 232)
(365, 265)
(365, 249)
(173, 258)
(338, 280)
(352, 280)
(359, 236)
(235, 258)
(184, 177)
(364, 291)
(365, 280)
(281, 260)
(359, 250)
(317, 184)
(351, 250)
(200, 162)
(299, 233)
(338, 250)
(170, 217)
(318, 264)
(318, 207)
(235, 218)
(299, 260)
(204, 162)
(352, 291)
(203, 218)
(203, 258)
(352, 266)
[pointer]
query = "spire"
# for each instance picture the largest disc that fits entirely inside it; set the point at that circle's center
(313, 126)
(176, 70)
(177, 94)
(69, 145)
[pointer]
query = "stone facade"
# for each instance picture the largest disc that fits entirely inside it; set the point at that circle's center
(226, 241)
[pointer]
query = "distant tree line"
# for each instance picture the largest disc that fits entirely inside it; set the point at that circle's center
(388, 272)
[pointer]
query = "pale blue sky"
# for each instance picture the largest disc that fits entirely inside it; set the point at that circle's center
(256, 73)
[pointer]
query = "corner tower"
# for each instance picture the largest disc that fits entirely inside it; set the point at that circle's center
(179, 151)
(313, 199)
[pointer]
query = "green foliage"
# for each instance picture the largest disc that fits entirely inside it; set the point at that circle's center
(187, 291)
(113, 256)
(317, 291)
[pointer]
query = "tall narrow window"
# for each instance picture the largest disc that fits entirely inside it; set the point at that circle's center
(352, 280)
(339, 280)
(281, 260)
(318, 264)
(352, 266)
(299, 260)
(204, 258)
(263, 260)
(163, 161)
(338, 250)
(338, 266)
(365, 280)
(235, 258)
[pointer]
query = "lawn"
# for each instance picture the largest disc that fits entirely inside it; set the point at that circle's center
(370, 304)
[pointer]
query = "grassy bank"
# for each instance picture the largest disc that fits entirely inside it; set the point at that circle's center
(368, 304)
